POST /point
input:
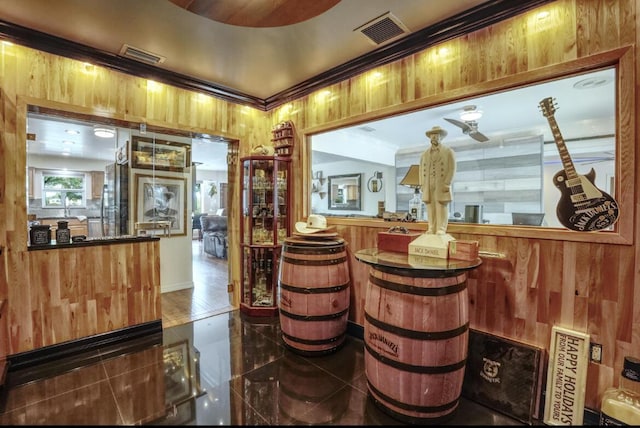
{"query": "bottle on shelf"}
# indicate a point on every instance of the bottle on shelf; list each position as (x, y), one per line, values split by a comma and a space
(621, 405)
(415, 206)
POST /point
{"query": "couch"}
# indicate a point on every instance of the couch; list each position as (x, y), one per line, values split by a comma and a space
(214, 235)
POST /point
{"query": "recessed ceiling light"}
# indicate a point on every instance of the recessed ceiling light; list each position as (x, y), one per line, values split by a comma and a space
(67, 142)
(102, 132)
(72, 131)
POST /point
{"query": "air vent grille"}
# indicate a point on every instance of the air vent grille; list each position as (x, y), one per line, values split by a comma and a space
(141, 55)
(383, 28)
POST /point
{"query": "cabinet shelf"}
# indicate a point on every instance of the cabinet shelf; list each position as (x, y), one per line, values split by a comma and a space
(264, 226)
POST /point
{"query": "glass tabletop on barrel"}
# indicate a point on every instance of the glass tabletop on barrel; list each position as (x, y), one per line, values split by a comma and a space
(396, 260)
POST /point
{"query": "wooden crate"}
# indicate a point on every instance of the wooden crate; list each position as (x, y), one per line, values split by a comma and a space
(396, 241)
(463, 250)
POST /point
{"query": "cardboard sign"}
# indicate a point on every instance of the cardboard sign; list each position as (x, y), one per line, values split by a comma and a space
(566, 377)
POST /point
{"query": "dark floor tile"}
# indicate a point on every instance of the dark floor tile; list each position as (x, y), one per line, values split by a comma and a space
(347, 362)
(116, 365)
(88, 405)
(227, 369)
(53, 385)
(141, 394)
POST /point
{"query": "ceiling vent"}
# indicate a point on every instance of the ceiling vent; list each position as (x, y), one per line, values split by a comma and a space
(383, 28)
(141, 55)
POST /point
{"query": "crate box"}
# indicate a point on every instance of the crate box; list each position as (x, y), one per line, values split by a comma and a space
(463, 250)
(396, 241)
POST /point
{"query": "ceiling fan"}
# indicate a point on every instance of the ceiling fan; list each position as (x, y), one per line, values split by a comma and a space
(469, 125)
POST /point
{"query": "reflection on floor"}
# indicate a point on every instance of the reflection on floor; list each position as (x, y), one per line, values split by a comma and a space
(226, 369)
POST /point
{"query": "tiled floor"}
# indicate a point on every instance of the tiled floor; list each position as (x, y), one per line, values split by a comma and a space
(223, 370)
(209, 366)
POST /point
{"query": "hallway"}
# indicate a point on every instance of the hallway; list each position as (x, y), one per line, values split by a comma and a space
(208, 296)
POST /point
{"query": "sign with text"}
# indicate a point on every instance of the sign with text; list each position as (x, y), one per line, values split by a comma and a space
(566, 377)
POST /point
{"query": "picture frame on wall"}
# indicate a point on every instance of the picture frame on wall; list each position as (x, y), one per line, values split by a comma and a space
(158, 154)
(161, 199)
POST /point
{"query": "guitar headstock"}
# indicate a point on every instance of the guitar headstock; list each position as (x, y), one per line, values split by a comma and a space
(548, 106)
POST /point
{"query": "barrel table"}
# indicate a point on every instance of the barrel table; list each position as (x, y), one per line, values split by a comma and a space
(313, 282)
(416, 331)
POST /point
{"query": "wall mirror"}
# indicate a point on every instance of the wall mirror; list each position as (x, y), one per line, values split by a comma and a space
(344, 192)
(507, 151)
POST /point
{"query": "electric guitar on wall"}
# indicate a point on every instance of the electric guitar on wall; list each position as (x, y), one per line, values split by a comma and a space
(582, 206)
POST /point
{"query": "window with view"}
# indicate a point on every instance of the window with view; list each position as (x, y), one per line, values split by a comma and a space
(63, 190)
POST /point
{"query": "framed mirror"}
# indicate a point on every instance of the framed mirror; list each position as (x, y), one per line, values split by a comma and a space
(345, 192)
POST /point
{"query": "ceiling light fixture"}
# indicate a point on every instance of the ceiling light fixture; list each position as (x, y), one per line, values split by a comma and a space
(102, 132)
(470, 113)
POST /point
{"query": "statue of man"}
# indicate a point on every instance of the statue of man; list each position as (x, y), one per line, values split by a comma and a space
(437, 168)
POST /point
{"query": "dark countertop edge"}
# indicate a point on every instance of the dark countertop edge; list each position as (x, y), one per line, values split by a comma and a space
(93, 243)
(67, 218)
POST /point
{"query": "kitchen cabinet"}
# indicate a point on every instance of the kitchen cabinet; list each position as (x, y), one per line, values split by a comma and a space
(97, 184)
(264, 227)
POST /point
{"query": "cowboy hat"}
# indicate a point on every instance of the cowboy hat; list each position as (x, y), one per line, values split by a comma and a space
(436, 130)
(315, 223)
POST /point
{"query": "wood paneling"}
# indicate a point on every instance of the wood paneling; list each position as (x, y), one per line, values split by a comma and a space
(537, 279)
(63, 294)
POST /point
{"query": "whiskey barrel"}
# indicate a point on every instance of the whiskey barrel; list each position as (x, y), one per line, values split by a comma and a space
(313, 282)
(416, 340)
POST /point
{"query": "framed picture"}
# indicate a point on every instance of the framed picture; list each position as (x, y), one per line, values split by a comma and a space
(153, 153)
(161, 199)
(177, 369)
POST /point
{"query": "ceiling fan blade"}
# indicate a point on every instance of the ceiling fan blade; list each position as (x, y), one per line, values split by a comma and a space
(463, 125)
(478, 136)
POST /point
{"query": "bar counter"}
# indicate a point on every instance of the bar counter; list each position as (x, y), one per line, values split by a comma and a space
(92, 242)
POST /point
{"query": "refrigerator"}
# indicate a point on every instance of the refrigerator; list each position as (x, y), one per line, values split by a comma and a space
(114, 205)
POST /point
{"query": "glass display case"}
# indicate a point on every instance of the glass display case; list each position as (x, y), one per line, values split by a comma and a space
(264, 227)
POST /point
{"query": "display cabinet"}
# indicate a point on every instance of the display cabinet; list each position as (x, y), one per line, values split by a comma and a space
(264, 227)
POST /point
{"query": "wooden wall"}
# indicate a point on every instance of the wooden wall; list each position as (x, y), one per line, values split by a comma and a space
(579, 281)
(58, 295)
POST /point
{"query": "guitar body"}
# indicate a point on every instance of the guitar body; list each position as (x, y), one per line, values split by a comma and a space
(582, 206)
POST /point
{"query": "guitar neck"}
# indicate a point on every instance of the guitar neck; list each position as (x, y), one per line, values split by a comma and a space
(567, 163)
